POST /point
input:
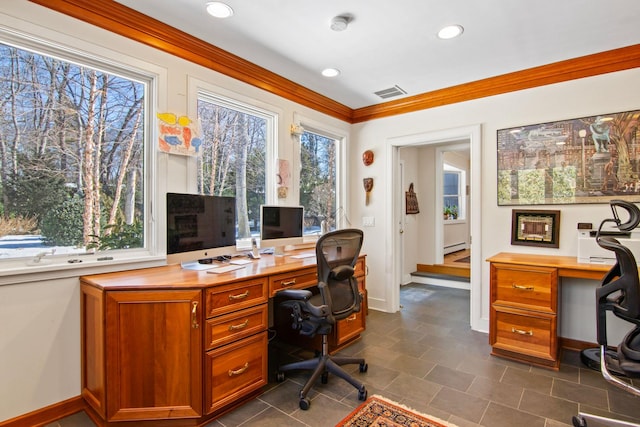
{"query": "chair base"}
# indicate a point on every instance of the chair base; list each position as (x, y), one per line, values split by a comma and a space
(591, 358)
(581, 421)
(322, 366)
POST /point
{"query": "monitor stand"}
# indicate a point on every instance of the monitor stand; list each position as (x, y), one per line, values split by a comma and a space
(195, 265)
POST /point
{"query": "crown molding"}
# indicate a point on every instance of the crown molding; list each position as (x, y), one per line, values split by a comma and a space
(571, 69)
(119, 19)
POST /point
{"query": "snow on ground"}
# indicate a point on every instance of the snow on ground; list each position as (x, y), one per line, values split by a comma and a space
(23, 246)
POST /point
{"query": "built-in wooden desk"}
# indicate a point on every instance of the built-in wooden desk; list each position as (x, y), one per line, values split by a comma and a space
(523, 322)
(184, 346)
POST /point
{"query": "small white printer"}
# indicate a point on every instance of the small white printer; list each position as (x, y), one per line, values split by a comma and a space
(590, 252)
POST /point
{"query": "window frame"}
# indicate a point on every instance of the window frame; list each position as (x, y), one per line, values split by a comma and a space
(66, 265)
(199, 89)
(450, 169)
(341, 140)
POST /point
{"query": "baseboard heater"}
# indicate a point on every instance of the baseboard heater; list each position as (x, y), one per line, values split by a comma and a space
(455, 247)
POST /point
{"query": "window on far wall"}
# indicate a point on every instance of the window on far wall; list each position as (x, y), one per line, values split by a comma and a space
(236, 138)
(318, 182)
(453, 192)
(73, 141)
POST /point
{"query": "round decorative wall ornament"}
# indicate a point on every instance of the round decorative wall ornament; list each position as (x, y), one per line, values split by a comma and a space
(367, 157)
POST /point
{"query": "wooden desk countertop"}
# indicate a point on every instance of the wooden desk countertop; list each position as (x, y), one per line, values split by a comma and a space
(567, 266)
(175, 277)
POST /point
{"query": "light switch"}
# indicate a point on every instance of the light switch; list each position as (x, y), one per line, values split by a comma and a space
(368, 221)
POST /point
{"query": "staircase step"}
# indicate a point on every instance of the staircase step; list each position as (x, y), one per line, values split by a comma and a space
(462, 271)
(441, 276)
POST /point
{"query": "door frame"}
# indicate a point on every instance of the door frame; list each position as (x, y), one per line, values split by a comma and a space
(472, 134)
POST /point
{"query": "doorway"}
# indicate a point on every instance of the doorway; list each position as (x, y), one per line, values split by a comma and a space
(431, 214)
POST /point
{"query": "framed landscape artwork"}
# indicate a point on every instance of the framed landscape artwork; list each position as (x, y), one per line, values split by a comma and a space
(585, 160)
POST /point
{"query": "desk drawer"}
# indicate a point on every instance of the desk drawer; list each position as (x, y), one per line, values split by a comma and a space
(528, 287)
(232, 327)
(235, 296)
(235, 370)
(299, 279)
(528, 335)
(350, 328)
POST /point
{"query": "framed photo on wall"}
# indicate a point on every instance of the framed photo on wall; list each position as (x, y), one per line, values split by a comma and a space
(535, 228)
(584, 160)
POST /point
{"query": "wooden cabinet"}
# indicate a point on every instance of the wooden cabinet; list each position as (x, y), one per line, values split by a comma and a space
(142, 353)
(524, 313)
(184, 346)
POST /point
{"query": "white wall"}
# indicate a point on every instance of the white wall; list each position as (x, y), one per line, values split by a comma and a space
(40, 338)
(580, 98)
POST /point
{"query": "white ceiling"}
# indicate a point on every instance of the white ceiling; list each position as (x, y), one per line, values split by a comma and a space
(394, 42)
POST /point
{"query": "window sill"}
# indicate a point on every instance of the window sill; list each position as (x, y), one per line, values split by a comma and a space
(23, 271)
(454, 221)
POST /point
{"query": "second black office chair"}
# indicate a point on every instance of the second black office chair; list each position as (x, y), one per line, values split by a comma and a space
(620, 295)
(338, 298)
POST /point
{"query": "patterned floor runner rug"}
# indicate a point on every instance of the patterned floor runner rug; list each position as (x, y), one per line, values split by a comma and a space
(378, 411)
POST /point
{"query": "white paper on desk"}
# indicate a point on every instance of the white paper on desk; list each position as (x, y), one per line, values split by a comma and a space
(306, 255)
(240, 261)
(225, 269)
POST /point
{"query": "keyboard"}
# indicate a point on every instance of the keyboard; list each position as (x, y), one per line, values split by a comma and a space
(225, 269)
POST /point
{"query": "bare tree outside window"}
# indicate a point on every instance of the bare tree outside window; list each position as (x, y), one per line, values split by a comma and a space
(318, 181)
(233, 160)
(72, 144)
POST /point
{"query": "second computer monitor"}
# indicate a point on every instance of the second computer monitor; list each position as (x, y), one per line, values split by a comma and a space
(281, 226)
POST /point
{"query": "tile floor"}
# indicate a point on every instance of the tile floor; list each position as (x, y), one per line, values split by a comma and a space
(426, 357)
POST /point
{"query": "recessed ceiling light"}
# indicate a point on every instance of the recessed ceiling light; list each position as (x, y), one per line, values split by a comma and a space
(219, 9)
(330, 72)
(450, 32)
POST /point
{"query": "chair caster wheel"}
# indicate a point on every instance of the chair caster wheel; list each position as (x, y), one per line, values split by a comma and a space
(279, 376)
(362, 394)
(364, 367)
(579, 421)
(324, 378)
(304, 404)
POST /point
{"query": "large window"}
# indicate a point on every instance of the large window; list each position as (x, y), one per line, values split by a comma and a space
(233, 161)
(318, 181)
(72, 153)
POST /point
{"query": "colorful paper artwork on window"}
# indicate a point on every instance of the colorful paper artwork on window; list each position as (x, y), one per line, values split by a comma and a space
(284, 178)
(178, 134)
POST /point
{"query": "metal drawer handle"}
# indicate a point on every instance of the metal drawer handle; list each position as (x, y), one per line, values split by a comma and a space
(194, 315)
(351, 318)
(239, 371)
(239, 296)
(288, 283)
(521, 332)
(240, 326)
(524, 288)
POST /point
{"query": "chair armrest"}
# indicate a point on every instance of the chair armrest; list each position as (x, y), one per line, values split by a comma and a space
(296, 294)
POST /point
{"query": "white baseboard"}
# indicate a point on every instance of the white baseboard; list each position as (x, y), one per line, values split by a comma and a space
(455, 247)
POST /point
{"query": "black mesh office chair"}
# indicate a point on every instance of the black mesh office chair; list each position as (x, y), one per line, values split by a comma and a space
(619, 294)
(339, 297)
